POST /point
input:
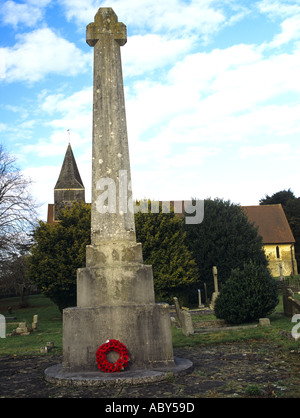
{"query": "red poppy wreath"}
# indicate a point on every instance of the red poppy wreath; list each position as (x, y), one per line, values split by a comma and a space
(104, 349)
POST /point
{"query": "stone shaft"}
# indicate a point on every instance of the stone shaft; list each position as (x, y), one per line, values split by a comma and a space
(110, 143)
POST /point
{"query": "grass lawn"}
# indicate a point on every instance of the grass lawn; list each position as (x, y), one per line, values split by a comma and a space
(279, 322)
(50, 329)
(50, 326)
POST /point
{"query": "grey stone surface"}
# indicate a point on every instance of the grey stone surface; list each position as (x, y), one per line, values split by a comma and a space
(187, 323)
(145, 330)
(55, 374)
(264, 322)
(110, 142)
(116, 284)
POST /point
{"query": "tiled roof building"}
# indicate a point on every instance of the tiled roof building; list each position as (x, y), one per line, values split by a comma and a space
(278, 239)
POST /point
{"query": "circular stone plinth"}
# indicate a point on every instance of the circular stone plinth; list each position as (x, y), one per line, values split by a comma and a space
(56, 375)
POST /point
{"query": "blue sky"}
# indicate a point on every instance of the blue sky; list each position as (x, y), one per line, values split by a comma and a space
(212, 94)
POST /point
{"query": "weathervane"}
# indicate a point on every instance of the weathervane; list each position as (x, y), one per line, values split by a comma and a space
(69, 140)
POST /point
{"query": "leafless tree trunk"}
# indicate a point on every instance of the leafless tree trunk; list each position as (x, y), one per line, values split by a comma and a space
(17, 211)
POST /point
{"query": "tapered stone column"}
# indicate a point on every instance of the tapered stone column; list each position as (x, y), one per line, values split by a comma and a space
(110, 143)
(115, 292)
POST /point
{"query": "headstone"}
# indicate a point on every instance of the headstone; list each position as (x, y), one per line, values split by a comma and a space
(173, 321)
(264, 322)
(115, 292)
(178, 311)
(187, 324)
(199, 299)
(216, 292)
(22, 329)
(35, 323)
(287, 297)
(205, 293)
(2, 326)
(281, 272)
(215, 274)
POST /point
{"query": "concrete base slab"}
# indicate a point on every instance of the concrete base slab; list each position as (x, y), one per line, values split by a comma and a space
(56, 375)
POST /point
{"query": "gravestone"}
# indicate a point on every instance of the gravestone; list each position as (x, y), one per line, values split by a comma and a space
(187, 324)
(22, 329)
(2, 326)
(35, 323)
(264, 322)
(216, 288)
(178, 311)
(115, 293)
(200, 304)
(291, 306)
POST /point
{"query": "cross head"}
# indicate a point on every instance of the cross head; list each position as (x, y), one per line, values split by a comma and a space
(106, 22)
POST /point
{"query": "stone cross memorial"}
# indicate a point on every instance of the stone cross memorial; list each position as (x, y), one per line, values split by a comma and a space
(115, 293)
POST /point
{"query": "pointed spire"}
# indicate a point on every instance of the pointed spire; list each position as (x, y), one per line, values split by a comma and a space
(69, 177)
(69, 187)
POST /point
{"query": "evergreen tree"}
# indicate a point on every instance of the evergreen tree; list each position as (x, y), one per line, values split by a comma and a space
(280, 197)
(58, 252)
(224, 239)
(175, 271)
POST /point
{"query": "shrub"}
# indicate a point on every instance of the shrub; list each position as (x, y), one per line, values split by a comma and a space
(249, 294)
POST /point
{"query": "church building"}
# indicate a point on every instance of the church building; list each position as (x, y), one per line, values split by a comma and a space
(69, 187)
(278, 239)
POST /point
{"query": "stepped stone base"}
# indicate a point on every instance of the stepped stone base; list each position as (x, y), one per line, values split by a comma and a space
(144, 329)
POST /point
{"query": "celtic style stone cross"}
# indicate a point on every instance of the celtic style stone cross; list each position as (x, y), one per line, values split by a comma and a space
(115, 291)
(106, 22)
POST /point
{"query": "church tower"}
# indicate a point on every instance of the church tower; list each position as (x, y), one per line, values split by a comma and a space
(69, 187)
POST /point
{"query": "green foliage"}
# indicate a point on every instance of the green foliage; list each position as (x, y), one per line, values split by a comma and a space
(249, 294)
(280, 197)
(58, 252)
(174, 269)
(224, 239)
(253, 390)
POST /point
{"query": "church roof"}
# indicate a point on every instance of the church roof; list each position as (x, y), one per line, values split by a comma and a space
(272, 223)
(69, 177)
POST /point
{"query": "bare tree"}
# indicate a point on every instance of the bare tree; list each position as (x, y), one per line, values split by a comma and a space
(17, 211)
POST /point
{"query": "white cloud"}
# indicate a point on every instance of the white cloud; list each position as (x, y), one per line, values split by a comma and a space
(176, 17)
(279, 8)
(42, 185)
(265, 150)
(55, 145)
(145, 53)
(224, 95)
(79, 101)
(173, 16)
(27, 13)
(290, 31)
(73, 112)
(39, 53)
